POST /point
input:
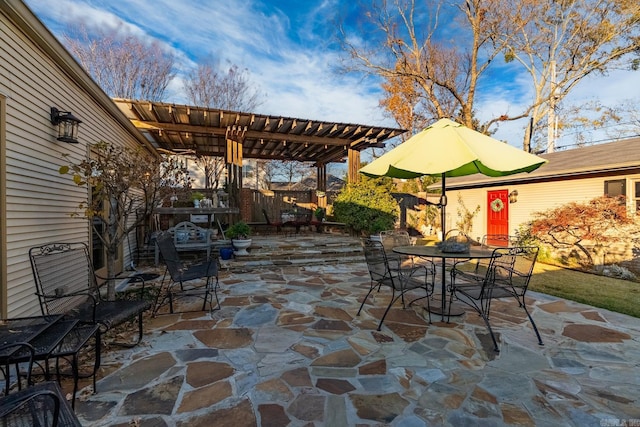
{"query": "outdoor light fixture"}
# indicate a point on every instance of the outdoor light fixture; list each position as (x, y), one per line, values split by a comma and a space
(67, 125)
(513, 196)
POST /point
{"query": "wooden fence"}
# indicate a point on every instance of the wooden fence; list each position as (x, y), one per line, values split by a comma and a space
(277, 202)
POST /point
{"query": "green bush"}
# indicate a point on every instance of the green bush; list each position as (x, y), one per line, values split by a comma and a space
(367, 206)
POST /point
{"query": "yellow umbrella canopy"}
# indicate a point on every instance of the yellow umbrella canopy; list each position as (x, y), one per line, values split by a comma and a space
(447, 148)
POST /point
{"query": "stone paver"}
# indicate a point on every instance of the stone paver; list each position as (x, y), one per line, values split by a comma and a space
(288, 349)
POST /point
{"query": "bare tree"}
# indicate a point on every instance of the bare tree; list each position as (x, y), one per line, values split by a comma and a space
(562, 42)
(122, 64)
(437, 68)
(290, 170)
(593, 121)
(212, 169)
(410, 48)
(268, 172)
(209, 87)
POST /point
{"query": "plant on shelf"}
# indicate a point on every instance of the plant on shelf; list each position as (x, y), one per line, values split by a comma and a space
(196, 197)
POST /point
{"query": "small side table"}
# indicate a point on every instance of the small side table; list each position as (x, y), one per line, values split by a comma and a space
(69, 350)
(35, 331)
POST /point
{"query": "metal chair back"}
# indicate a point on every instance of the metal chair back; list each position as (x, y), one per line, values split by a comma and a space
(170, 255)
(393, 238)
(507, 274)
(386, 271)
(63, 269)
(377, 262)
(181, 272)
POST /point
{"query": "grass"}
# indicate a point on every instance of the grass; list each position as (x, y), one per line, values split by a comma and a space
(621, 296)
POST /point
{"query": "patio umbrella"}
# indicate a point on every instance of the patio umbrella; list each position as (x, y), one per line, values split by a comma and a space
(448, 149)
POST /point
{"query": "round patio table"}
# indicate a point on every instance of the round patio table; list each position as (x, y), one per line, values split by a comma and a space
(435, 252)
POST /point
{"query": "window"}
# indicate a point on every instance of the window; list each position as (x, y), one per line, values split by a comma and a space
(615, 188)
(636, 196)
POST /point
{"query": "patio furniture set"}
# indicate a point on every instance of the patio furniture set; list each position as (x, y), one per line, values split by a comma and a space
(477, 275)
(74, 318)
(75, 315)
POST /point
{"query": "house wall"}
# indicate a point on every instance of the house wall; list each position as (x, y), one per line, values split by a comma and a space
(532, 198)
(39, 201)
(539, 197)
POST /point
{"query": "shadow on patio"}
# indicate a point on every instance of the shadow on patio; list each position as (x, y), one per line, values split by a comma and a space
(287, 349)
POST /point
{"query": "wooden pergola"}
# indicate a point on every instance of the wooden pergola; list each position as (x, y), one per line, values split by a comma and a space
(234, 135)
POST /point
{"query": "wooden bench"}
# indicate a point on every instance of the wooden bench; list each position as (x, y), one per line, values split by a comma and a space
(189, 237)
(67, 284)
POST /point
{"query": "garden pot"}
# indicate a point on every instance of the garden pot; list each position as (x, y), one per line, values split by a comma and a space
(226, 253)
(241, 246)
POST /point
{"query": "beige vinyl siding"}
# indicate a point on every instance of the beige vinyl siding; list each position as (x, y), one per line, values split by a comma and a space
(39, 201)
(3, 199)
(532, 198)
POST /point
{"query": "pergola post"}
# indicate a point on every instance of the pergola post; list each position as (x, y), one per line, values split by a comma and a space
(353, 165)
(233, 159)
(322, 185)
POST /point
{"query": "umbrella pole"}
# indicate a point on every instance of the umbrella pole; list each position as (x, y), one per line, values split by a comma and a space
(443, 219)
(443, 204)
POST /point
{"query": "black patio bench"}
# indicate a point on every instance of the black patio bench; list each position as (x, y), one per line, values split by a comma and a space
(67, 284)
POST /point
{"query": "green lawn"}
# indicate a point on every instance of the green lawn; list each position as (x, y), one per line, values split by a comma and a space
(617, 295)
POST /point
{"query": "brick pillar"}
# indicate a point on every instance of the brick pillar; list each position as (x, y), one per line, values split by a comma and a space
(245, 204)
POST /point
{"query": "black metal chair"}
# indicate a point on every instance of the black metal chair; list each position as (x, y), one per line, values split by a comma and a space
(388, 272)
(507, 274)
(277, 225)
(186, 279)
(41, 405)
(67, 284)
(393, 238)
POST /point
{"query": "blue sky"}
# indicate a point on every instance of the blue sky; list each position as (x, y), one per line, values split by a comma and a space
(289, 48)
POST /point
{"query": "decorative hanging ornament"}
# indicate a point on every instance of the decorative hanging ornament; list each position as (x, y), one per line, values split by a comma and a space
(497, 205)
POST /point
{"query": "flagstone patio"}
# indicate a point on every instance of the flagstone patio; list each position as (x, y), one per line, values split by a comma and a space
(287, 348)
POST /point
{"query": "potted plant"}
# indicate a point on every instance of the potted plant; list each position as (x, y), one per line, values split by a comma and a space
(239, 234)
(319, 214)
(196, 197)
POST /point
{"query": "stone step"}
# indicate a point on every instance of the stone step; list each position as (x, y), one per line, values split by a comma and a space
(298, 250)
(304, 249)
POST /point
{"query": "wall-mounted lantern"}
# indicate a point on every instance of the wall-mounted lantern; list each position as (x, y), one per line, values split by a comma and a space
(513, 196)
(67, 125)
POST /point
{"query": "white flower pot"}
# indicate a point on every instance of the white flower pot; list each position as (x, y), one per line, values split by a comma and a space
(241, 246)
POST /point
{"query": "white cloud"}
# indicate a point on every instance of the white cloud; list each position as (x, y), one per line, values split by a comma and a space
(290, 57)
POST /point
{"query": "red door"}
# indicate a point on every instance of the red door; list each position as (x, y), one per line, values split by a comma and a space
(497, 216)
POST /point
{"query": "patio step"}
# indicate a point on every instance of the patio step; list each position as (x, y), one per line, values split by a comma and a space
(298, 250)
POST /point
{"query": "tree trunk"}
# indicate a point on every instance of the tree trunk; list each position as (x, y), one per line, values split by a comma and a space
(111, 272)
